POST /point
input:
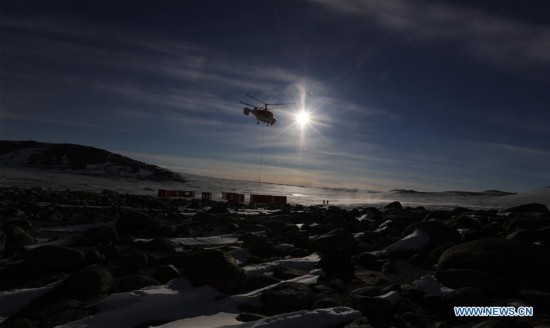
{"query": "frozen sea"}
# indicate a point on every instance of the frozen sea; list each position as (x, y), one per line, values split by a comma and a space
(27, 178)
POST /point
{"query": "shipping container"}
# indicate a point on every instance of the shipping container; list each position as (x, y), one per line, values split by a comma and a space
(233, 197)
(206, 195)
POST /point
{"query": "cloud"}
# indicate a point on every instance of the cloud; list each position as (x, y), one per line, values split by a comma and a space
(497, 40)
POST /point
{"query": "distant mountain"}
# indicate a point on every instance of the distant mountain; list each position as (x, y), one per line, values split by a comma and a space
(79, 159)
(456, 193)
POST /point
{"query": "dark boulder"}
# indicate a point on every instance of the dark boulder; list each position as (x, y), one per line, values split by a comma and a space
(133, 282)
(527, 265)
(166, 273)
(337, 265)
(368, 261)
(333, 240)
(157, 245)
(258, 281)
(521, 223)
(87, 282)
(53, 258)
(377, 310)
(393, 206)
(215, 268)
(285, 273)
(287, 297)
(439, 232)
(133, 261)
(133, 221)
(101, 235)
(3, 238)
(532, 209)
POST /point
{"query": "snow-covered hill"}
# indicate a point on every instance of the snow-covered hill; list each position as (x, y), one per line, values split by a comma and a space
(79, 159)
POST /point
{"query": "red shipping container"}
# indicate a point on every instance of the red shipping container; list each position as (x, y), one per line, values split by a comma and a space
(279, 200)
(261, 199)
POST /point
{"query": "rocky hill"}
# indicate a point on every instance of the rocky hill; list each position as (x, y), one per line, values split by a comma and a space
(79, 159)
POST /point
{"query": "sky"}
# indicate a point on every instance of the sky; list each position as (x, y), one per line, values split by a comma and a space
(424, 95)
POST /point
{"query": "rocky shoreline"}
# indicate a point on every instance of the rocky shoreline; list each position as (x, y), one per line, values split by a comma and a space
(393, 266)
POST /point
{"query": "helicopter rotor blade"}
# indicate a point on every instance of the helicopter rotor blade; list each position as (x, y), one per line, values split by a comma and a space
(248, 104)
(255, 98)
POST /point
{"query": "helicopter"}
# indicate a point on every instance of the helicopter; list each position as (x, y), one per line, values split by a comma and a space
(262, 113)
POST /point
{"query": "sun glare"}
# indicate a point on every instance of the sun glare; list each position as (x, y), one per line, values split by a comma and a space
(302, 118)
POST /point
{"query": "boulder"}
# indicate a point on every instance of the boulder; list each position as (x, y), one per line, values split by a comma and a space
(285, 273)
(439, 232)
(133, 261)
(532, 209)
(3, 238)
(287, 297)
(133, 282)
(333, 240)
(53, 259)
(337, 265)
(157, 245)
(87, 282)
(526, 265)
(100, 236)
(377, 310)
(259, 246)
(258, 281)
(166, 273)
(393, 206)
(215, 268)
(133, 221)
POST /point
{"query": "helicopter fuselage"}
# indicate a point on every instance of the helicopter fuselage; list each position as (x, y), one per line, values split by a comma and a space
(263, 115)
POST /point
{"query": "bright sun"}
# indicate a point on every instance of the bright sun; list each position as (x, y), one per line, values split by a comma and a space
(302, 118)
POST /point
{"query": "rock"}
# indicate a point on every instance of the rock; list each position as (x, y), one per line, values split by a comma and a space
(524, 264)
(539, 300)
(101, 235)
(377, 310)
(87, 282)
(134, 282)
(489, 283)
(521, 223)
(24, 224)
(421, 260)
(3, 238)
(467, 296)
(337, 265)
(532, 209)
(439, 232)
(133, 261)
(284, 273)
(254, 282)
(368, 261)
(133, 221)
(216, 268)
(166, 273)
(157, 245)
(219, 208)
(52, 259)
(393, 206)
(16, 237)
(528, 235)
(258, 246)
(287, 297)
(248, 317)
(414, 320)
(361, 322)
(490, 323)
(389, 267)
(333, 240)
